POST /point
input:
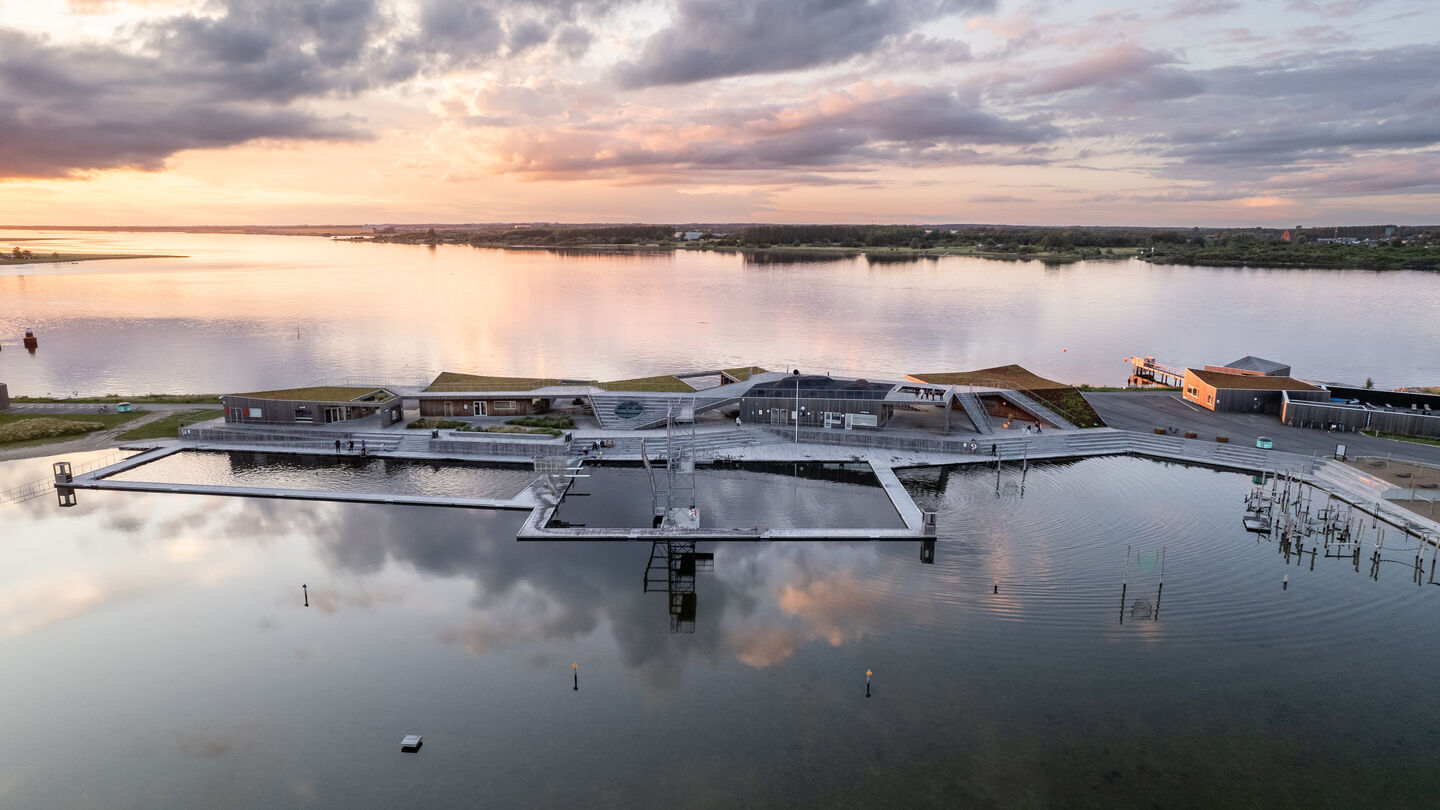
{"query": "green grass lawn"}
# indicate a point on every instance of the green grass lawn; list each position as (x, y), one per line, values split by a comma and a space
(24, 430)
(663, 383)
(169, 427)
(1396, 436)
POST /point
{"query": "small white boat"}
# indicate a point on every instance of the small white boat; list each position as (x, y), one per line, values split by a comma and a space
(411, 743)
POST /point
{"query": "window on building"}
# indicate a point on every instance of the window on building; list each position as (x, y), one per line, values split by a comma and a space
(254, 413)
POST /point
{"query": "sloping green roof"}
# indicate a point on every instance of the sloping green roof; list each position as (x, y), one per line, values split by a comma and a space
(321, 393)
(665, 382)
(1011, 376)
(452, 381)
(743, 374)
(1064, 399)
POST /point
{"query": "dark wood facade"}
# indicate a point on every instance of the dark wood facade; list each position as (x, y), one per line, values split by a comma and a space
(815, 411)
(255, 411)
(1239, 393)
(1400, 418)
(461, 407)
(4, 396)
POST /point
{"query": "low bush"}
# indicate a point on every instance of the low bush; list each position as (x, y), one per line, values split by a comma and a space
(41, 427)
(508, 428)
(432, 423)
(562, 422)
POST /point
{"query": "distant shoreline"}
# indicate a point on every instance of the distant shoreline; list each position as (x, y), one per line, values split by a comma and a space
(69, 258)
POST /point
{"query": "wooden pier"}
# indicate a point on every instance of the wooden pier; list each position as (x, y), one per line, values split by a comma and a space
(1148, 372)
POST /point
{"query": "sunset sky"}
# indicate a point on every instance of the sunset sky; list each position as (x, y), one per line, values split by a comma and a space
(1191, 112)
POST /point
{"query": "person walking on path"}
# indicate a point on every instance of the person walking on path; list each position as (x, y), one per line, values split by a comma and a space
(352, 445)
(362, 447)
(993, 452)
(337, 446)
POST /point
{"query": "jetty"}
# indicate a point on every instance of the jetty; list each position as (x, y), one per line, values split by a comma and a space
(679, 427)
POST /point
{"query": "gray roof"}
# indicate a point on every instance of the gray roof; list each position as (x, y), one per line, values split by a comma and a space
(1260, 364)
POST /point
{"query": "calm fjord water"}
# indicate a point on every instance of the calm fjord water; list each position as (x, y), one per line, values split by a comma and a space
(157, 654)
(155, 650)
(226, 317)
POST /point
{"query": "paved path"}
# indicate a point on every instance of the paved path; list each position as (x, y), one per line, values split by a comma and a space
(1143, 412)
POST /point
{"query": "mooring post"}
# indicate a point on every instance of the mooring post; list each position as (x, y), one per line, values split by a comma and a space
(867, 683)
(575, 670)
(305, 589)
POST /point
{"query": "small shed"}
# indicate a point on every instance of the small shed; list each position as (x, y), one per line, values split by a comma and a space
(4, 396)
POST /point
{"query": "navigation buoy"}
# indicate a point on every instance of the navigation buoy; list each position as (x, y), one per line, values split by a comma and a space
(997, 587)
(1285, 586)
(31, 342)
(867, 683)
(575, 668)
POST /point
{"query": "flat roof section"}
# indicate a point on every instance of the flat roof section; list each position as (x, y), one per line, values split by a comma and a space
(819, 385)
(667, 383)
(321, 393)
(1247, 382)
(462, 383)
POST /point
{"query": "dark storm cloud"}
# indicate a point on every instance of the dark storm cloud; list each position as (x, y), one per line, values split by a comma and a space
(527, 35)
(920, 127)
(241, 71)
(57, 119)
(1324, 107)
(712, 39)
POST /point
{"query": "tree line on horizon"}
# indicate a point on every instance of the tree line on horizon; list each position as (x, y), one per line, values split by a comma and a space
(1384, 247)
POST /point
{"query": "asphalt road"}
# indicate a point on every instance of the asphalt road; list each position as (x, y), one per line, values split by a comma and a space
(1147, 411)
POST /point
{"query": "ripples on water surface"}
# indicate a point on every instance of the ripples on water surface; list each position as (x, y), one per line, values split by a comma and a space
(225, 318)
(781, 496)
(157, 654)
(326, 473)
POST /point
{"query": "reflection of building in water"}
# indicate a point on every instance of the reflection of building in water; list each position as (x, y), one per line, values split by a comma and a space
(1144, 574)
(672, 568)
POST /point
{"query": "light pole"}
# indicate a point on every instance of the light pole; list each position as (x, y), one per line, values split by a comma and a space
(797, 407)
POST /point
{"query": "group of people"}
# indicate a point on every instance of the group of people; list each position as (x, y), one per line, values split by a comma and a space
(352, 446)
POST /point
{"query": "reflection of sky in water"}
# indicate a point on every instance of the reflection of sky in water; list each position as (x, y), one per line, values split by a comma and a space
(156, 654)
(335, 473)
(811, 495)
(225, 318)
